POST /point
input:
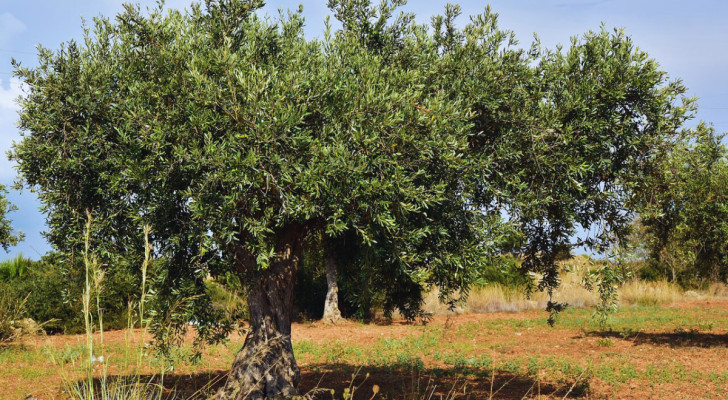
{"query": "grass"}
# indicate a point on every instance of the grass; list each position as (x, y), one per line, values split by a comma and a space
(498, 298)
(451, 346)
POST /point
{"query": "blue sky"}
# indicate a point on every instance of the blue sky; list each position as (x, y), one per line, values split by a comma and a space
(688, 38)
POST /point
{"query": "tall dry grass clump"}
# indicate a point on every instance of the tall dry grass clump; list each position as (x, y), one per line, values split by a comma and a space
(641, 293)
(11, 317)
(717, 290)
(102, 387)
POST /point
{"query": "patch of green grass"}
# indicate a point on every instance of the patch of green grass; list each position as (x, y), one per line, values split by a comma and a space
(719, 379)
(306, 347)
(13, 354)
(66, 354)
(467, 364)
(640, 318)
(33, 371)
(706, 326)
(407, 363)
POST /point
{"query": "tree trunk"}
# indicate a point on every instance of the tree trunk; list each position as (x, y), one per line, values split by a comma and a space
(265, 367)
(332, 315)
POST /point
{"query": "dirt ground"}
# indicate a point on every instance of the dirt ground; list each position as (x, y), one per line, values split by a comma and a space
(677, 352)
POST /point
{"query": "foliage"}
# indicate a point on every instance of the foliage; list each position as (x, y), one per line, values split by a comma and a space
(683, 222)
(224, 296)
(52, 295)
(606, 111)
(42, 286)
(7, 236)
(504, 270)
(268, 134)
(14, 268)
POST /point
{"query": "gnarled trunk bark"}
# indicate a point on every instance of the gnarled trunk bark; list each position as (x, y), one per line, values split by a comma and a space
(265, 367)
(332, 314)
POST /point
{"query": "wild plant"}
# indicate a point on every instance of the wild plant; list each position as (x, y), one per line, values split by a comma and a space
(130, 387)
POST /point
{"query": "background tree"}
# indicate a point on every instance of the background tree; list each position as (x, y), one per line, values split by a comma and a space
(684, 214)
(563, 139)
(606, 113)
(7, 236)
(332, 314)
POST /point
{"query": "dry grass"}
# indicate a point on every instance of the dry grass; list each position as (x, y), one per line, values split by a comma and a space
(499, 298)
(642, 293)
(717, 290)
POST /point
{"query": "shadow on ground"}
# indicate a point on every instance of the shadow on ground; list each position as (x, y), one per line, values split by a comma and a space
(449, 383)
(678, 338)
(319, 380)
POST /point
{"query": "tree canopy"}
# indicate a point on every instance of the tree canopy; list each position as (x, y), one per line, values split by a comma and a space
(684, 210)
(235, 137)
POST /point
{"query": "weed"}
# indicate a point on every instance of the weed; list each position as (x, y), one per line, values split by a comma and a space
(706, 326)
(512, 366)
(605, 342)
(628, 333)
(132, 387)
(408, 363)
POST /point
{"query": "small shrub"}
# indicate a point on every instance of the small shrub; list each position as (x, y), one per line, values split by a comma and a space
(706, 326)
(409, 363)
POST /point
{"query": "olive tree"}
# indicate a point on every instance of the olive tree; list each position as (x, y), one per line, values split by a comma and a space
(684, 210)
(235, 138)
(563, 140)
(605, 114)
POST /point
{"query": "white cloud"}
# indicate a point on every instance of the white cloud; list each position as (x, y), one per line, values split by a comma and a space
(9, 27)
(8, 130)
(9, 95)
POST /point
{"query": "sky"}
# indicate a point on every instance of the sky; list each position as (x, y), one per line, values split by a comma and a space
(688, 38)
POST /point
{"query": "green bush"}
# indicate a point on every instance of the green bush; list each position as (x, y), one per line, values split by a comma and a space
(504, 270)
(226, 295)
(52, 294)
(14, 268)
(44, 286)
